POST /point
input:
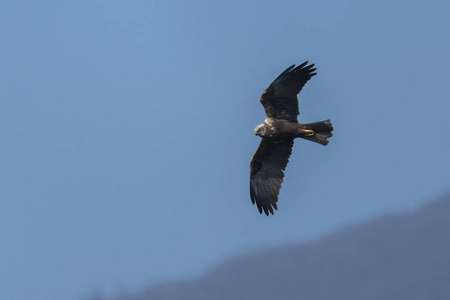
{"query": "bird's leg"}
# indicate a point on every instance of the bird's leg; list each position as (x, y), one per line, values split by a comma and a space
(305, 132)
(308, 132)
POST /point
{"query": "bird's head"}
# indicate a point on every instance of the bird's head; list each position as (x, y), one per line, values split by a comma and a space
(260, 130)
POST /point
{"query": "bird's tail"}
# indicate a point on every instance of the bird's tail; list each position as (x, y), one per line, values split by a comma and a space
(318, 132)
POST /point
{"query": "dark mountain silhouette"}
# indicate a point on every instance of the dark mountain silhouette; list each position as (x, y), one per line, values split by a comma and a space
(396, 256)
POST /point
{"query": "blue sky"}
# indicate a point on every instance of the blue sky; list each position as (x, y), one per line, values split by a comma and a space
(127, 131)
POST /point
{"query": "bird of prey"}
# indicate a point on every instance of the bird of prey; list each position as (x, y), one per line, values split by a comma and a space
(278, 132)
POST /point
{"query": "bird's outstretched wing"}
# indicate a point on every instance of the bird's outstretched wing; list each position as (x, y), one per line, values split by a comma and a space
(266, 173)
(280, 98)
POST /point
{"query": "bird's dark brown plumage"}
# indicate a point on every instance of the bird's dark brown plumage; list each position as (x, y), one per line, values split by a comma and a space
(280, 98)
(266, 173)
(278, 133)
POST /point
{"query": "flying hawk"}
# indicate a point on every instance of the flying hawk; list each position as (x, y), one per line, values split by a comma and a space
(278, 132)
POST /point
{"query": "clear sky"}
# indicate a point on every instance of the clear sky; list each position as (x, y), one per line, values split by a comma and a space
(127, 131)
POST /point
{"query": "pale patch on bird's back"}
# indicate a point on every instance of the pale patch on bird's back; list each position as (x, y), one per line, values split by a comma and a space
(269, 122)
(271, 127)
